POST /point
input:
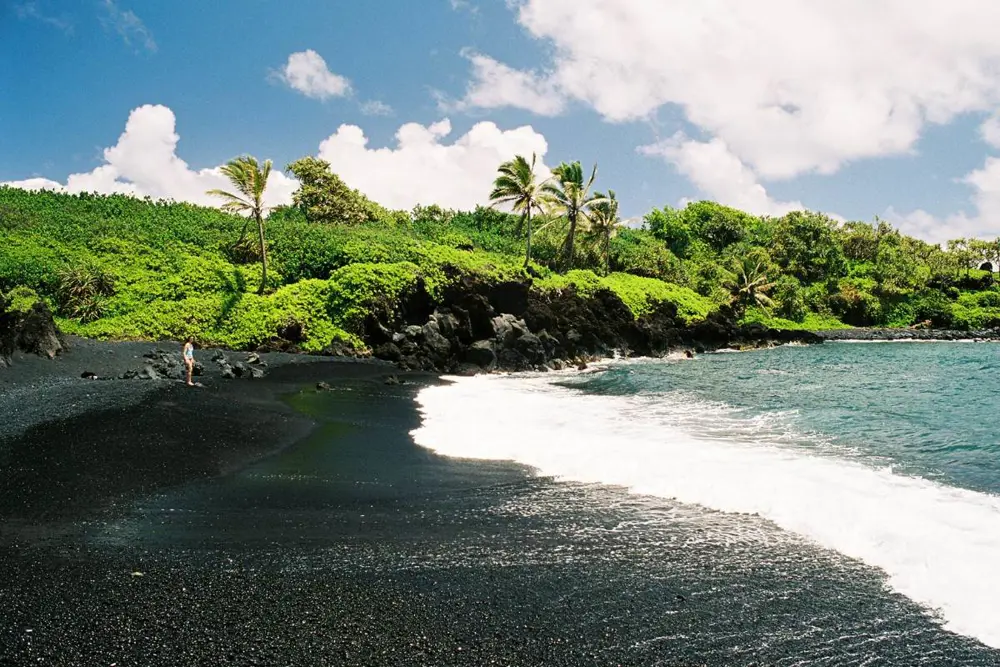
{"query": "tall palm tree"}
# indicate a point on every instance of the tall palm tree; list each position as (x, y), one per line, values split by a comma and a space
(604, 223)
(250, 179)
(518, 186)
(569, 195)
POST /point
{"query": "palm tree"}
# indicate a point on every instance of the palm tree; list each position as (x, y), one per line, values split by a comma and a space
(570, 196)
(604, 223)
(517, 185)
(751, 285)
(250, 179)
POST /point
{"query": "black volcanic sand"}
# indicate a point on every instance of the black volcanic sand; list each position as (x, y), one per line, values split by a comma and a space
(266, 523)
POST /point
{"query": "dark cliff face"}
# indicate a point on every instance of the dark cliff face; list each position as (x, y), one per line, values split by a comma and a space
(509, 326)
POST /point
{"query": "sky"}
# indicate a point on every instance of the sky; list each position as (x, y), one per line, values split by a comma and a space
(854, 108)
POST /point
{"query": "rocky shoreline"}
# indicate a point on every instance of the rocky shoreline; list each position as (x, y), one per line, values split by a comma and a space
(479, 327)
(475, 328)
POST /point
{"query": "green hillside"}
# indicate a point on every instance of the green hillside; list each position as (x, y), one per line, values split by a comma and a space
(116, 267)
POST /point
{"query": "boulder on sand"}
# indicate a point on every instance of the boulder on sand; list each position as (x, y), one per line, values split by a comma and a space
(32, 331)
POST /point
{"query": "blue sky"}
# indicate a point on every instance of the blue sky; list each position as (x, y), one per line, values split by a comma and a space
(768, 109)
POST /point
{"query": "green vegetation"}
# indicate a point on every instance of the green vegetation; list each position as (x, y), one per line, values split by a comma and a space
(640, 294)
(124, 268)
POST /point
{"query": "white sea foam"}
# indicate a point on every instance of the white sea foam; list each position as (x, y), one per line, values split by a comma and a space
(939, 545)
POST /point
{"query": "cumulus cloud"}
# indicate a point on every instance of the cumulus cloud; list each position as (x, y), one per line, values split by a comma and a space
(719, 174)
(307, 72)
(144, 162)
(422, 168)
(495, 85)
(990, 130)
(790, 87)
(128, 26)
(983, 223)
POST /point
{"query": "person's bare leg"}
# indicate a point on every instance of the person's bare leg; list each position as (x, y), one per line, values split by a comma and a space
(190, 373)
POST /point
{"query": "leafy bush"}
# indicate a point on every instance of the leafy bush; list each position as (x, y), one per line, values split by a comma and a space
(21, 299)
(640, 253)
(359, 289)
(933, 307)
(811, 322)
(855, 304)
(640, 294)
(789, 299)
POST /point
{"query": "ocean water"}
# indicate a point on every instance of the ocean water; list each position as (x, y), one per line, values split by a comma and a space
(856, 462)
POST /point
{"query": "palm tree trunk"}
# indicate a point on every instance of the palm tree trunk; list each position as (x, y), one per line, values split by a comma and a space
(263, 254)
(527, 252)
(607, 253)
(570, 238)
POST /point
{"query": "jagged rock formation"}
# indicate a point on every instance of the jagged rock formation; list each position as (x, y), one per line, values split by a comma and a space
(32, 331)
(508, 326)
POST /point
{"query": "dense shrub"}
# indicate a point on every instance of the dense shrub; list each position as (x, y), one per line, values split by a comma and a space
(640, 294)
(640, 253)
(789, 299)
(20, 299)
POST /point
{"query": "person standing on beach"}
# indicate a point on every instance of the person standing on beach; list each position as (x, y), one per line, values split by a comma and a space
(189, 359)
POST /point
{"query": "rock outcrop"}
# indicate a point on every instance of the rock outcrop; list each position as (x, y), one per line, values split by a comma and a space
(253, 368)
(510, 327)
(162, 365)
(32, 331)
(168, 365)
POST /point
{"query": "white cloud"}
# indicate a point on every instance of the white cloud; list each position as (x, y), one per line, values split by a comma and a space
(422, 169)
(990, 130)
(36, 183)
(719, 174)
(144, 162)
(128, 26)
(495, 85)
(376, 108)
(307, 72)
(791, 87)
(984, 223)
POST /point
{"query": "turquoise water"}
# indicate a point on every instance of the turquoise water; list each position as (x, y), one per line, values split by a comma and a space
(931, 410)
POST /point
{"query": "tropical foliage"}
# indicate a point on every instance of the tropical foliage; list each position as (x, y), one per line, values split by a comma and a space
(126, 268)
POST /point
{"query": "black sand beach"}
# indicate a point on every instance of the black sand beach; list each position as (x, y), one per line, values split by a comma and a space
(267, 523)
